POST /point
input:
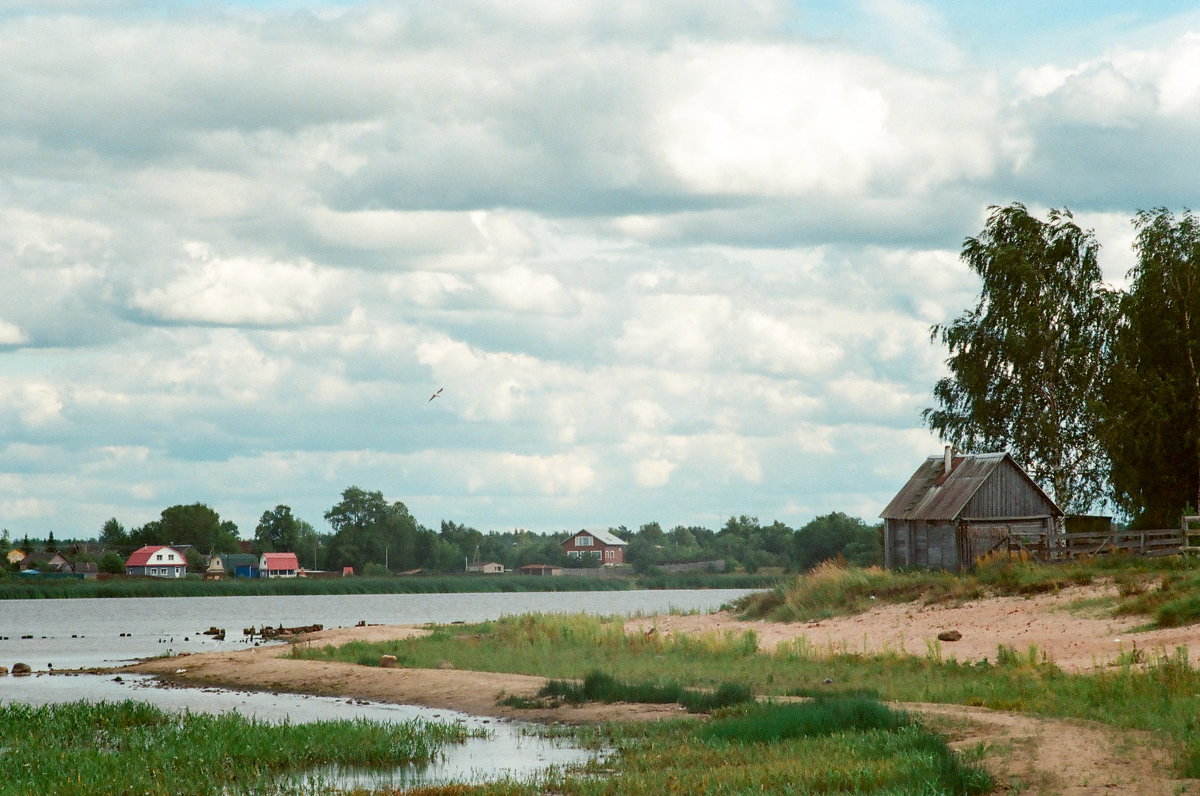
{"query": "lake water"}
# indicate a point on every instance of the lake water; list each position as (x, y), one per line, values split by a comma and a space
(79, 633)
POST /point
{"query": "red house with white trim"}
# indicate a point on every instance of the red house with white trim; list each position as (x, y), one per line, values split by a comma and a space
(609, 548)
(278, 565)
(157, 561)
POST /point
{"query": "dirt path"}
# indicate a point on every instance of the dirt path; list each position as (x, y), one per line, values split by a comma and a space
(1027, 754)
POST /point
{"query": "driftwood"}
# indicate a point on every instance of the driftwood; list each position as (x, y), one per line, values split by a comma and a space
(266, 631)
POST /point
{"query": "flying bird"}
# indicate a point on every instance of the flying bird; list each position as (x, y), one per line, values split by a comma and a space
(436, 394)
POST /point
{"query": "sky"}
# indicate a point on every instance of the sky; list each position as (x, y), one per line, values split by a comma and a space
(672, 261)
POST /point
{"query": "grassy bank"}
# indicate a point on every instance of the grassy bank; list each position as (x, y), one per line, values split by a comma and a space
(80, 749)
(1163, 697)
(22, 588)
(837, 746)
(1166, 589)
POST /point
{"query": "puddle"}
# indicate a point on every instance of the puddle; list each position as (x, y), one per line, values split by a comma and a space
(508, 750)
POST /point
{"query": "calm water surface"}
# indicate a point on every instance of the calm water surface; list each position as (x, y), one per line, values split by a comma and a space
(77, 633)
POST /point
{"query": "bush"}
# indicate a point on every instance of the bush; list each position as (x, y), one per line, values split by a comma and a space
(112, 563)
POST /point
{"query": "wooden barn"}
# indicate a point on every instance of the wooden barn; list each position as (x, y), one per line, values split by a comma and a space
(955, 508)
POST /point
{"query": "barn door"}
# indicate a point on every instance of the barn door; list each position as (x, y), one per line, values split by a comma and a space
(979, 540)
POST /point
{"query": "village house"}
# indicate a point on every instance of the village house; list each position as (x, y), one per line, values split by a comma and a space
(603, 545)
(156, 561)
(45, 563)
(956, 508)
(215, 569)
(278, 565)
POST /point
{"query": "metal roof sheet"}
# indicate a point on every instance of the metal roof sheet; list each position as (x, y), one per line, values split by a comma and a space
(604, 536)
(932, 495)
(276, 561)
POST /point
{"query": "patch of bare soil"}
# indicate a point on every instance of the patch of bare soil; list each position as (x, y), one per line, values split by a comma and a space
(1026, 754)
(1075, 641)
(270, 669)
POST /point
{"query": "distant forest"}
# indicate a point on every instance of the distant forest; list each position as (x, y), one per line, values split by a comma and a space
(377, 537)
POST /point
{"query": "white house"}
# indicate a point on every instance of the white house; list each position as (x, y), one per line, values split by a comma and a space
(157, 561)
(278, 565)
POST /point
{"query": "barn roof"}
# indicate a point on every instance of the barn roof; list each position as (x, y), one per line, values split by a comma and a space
(931, 494)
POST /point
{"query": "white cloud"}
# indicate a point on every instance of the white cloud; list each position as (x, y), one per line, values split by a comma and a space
(11, 334)
(652, 473)
(238, 291)
(781, 120)
(520, 289)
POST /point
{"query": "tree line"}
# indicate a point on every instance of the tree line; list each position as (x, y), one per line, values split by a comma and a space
(1095, 390)
(377, 536)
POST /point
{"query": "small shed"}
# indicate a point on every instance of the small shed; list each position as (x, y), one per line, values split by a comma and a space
(541, 570)
(956, 507)
(486, 567)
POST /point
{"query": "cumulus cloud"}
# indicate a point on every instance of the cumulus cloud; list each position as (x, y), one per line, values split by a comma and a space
(238, 291)
(664, 258)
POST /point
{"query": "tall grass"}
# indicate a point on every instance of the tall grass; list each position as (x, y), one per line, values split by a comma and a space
(598, 686)
(33, 588)
(82, 748)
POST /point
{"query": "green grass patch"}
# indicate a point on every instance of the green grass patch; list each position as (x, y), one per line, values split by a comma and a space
(598, 686)
(826, 747)
(82, 748)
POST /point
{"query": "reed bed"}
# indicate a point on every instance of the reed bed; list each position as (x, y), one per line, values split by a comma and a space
(598, 686)
(12, 588)
(16, 589)
(82, 748)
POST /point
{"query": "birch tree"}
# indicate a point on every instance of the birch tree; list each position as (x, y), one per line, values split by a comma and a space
(1027, 361)
(1152, 425)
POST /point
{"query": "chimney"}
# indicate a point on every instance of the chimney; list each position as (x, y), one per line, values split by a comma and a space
(949, 459)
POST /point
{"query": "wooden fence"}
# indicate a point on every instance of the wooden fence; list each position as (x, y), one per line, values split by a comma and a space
(1043, 546)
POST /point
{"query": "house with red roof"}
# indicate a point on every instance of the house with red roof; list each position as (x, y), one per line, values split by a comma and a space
(278, 565)
(156, 561)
